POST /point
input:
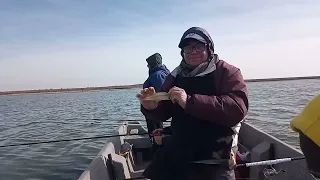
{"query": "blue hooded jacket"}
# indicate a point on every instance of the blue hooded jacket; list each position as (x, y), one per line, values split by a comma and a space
(157, 76)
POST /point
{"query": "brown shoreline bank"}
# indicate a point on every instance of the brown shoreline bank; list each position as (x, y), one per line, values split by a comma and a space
(104, 88)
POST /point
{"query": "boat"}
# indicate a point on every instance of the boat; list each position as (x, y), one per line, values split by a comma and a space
(127, 155)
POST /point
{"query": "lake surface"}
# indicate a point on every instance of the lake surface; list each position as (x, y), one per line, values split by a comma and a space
(42, 117)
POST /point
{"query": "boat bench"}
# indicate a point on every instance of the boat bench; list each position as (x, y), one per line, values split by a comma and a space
(140, 143)
(122, 167)
(97, 170)
(101, 168)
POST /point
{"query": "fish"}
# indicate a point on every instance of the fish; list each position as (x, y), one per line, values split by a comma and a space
(160, 96)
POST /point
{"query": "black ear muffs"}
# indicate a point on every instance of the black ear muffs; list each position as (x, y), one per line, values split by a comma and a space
(181, 53)
(210, 55)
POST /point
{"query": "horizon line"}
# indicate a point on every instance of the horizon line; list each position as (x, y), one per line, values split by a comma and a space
(132, 86)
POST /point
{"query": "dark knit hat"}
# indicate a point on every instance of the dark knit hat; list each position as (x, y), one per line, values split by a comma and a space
(154, 60)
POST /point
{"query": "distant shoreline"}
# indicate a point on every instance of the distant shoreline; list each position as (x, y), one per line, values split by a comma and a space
(106, 88)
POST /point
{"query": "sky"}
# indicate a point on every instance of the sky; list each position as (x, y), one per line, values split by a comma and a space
(80, 43)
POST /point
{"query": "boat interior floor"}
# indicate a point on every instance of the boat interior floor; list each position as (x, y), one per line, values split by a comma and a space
(138, 170)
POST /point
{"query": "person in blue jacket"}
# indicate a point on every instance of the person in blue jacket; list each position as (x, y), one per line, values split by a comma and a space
(157, 75)
(157, 72)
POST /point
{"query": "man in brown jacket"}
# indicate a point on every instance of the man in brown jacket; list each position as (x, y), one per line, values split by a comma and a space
(209, 99)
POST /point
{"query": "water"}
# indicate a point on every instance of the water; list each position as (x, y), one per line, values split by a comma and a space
(32, 118)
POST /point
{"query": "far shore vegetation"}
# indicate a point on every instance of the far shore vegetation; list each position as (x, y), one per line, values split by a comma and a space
(104, 88)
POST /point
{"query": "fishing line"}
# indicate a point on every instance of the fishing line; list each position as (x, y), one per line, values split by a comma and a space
(82, 121)
(105, 119)
(100, 119)
(75, 139)
(72, 123)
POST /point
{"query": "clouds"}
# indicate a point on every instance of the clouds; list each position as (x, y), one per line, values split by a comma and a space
(54, 44)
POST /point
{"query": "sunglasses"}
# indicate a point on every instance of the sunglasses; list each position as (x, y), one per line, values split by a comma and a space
(198, 47)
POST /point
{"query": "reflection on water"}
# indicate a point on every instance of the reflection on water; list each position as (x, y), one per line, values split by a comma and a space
(32, 118)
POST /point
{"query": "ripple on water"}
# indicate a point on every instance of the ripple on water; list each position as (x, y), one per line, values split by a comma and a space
(33, 118)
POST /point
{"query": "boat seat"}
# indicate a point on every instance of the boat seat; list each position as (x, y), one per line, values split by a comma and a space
(97, 170)
(107, 149)
(119, 167)
(139, 141)
(134, 173)
(127, 154)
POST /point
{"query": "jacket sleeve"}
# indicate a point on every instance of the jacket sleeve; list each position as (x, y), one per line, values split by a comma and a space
(146, 84)
(167, 130)
(227, 109)
(164, 110)
(156, 80)
(167, 140)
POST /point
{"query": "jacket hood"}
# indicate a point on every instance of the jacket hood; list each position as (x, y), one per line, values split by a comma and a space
(184, 69)
(159, 68)
(154, 60)
(194, 33)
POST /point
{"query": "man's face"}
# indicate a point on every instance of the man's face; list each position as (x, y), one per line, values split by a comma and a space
(312, 153)
(195, 53)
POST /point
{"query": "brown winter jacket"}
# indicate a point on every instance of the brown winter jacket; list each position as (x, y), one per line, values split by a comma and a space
(227, 108)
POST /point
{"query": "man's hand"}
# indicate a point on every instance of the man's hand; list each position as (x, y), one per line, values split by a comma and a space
(150, 105)
(178, 95)
(158, 139)
(158, 135)
(157, 132)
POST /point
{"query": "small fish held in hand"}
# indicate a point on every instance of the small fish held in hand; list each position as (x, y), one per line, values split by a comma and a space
(160, 96)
